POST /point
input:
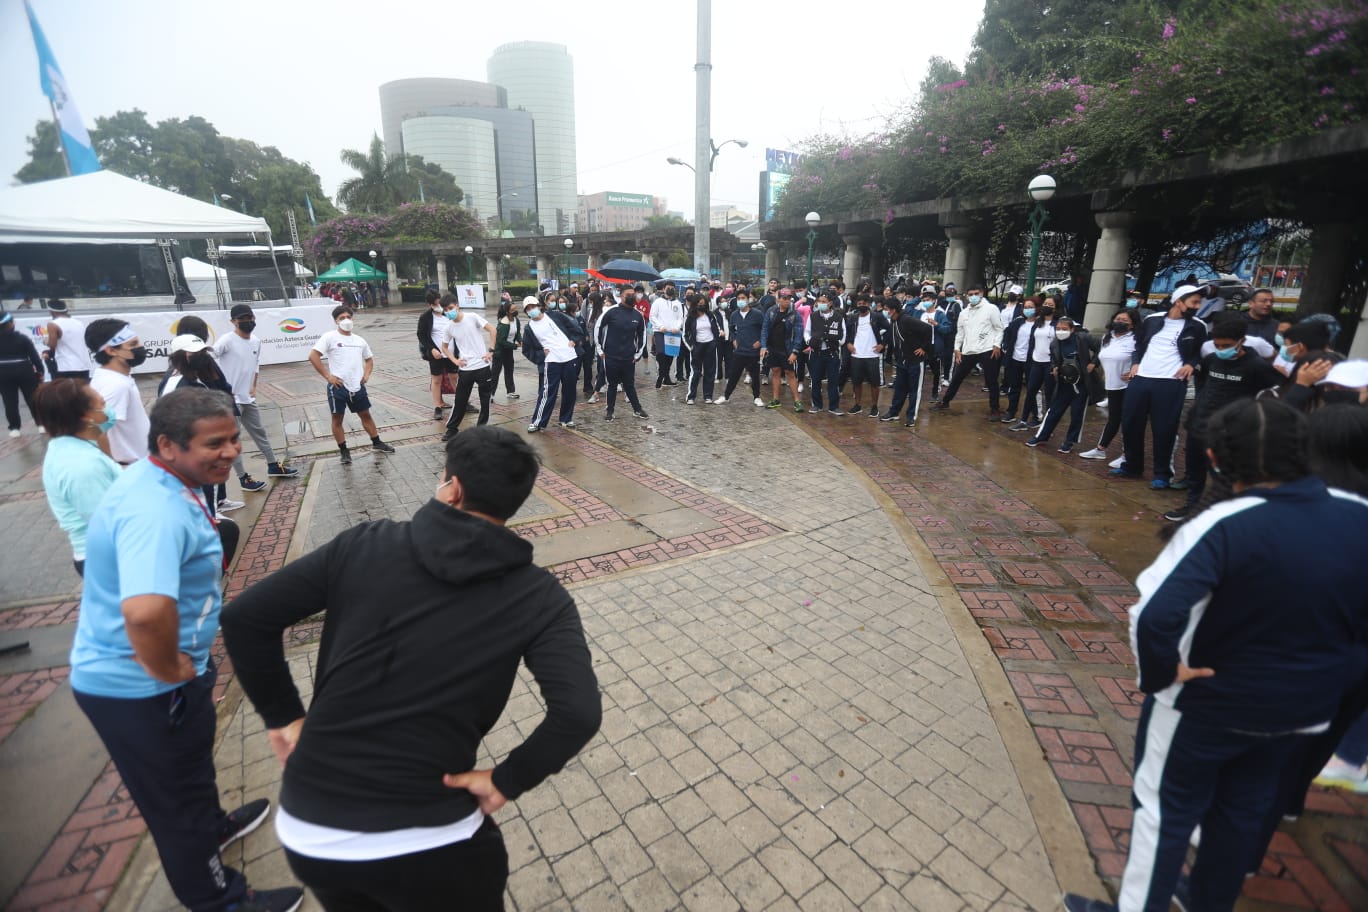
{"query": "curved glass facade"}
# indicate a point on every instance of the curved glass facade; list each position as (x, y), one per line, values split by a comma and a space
(465, 147)
(539, 77)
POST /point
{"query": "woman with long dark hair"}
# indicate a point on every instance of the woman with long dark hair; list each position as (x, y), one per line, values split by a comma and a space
(1038, 376)
(507, 341)
(1118, 345)
(77, 468)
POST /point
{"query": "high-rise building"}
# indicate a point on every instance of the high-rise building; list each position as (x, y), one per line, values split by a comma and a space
(468, 129)
(610, 211)
(540, 78)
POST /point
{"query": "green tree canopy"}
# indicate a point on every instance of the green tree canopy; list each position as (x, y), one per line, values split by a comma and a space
(664, 221)
(408, 223)
(190, 157)
(384, 182)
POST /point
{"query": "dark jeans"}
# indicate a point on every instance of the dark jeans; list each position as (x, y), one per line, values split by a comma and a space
(744, 362)
(469, 875)
(907, 385)
(621, 372)
(966, 366)
(481, 380)
(587, 363)
(1196, 468)
(702, 366)
(825, 365)
(1013, 378)
(13, 383)
(1116, 404)
(557, 379)
(1158, 403)
(1070, 397)
(503, 363)
(163, 748)
(1038, 378)
(663, 360)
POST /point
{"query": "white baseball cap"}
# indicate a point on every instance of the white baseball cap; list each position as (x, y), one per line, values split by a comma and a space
(1349, 374)
(530, 301)
(1015, 289)
(187, 343)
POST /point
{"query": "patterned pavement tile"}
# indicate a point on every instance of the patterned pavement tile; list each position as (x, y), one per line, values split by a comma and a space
(1052, 693)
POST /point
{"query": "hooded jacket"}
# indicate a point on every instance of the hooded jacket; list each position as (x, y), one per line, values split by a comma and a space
(621, 334)
(425, 624)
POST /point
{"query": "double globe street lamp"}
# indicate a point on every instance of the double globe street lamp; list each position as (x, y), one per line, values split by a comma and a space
(1041, 189)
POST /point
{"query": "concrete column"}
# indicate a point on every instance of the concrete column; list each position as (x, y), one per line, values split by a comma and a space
(1107, 285)
(392, 266)
(544, 268)
(595, 260)
(854, 259)
(728, 262)
(1332, 250)
(774, 261)
(441, 275)
(956, 255)
(494, 272)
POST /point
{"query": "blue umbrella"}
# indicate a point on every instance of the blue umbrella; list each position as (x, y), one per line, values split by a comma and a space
(682, 275)
(629, 271)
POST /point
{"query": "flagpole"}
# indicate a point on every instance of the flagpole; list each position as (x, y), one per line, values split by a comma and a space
(61, 146)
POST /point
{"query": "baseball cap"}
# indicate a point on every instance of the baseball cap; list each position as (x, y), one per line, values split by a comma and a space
(187, 343)
(1015, 289)
(786, 292)
(530, 301)
(57, 305)
(240, 310)
(1182, 291)
(1349, 374)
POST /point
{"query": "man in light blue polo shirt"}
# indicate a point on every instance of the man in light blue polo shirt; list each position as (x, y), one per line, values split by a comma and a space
(140, 665)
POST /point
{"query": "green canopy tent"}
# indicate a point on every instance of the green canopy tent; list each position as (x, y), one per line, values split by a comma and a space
(353, 270)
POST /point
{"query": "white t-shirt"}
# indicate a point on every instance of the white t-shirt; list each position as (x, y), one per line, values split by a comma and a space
(439, 328)
(702, 329)
(468, 337)
(1043, 335)
(1022, 346)
(71, 353)
(558, 347)
(346, 356)
(864, 337)
(239, 359)
(1116, 360)
(1162, 361)
(128, 436)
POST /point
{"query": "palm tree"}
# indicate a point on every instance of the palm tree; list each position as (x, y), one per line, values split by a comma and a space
(381, 183)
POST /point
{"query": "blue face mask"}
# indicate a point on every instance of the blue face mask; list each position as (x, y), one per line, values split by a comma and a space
(110, 418)
(451, 314)
(1284, 354)
(928, 305)
(1278, 339)
(533, 313)
(1132, 302)
(1228, 354)
(974, 299)
(823, 306)
(1028, 312)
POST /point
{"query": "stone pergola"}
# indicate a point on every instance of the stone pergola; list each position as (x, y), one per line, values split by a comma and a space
(1320, 180)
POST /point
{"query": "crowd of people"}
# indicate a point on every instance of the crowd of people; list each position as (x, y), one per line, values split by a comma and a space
(1256, 679)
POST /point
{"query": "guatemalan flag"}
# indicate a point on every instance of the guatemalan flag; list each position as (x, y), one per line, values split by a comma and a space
(80, 154)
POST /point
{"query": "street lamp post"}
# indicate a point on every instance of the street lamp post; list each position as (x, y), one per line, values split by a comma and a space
(470, 265)
(569, 244)
(1040, 189)
(813, 220)
(702, 197)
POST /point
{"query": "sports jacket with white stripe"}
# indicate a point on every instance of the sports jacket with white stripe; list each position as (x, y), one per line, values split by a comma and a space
(1270, 590)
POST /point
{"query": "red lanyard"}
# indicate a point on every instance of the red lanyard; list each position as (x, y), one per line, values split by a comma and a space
(193, 493)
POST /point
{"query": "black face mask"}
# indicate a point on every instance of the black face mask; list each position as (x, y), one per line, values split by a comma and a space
(1120, 328)
(1340, 397)
(1047, 312)
(247, 326)
(139, 356)
(863, 308)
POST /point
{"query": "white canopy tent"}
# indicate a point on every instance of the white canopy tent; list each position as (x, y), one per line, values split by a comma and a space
(204, 279)
(103, 204)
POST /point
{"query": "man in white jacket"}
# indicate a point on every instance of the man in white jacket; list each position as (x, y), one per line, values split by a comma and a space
(978, 342)
(667, 316)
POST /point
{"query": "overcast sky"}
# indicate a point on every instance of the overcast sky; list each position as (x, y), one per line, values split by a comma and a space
(303, 75)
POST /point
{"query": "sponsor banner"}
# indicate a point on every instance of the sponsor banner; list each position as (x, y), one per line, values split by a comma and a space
(286, 333)
(470, 297)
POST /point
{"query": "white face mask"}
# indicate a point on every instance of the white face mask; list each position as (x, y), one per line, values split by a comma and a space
(1062, 334)
(345, 325)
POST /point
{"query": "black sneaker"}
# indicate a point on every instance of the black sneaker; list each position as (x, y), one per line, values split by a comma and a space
(1178, 515)
(248, 483)
(276, 470)
(242, 821)
(888, 417)
(910, 424)
(641, 415)
(382, 447)
(448, 434)
(608, 417)
(437, 413)
(1034, 442)
(346, 457)
(1075, 903)
(282, 899)
(855, 409)
(941, 407)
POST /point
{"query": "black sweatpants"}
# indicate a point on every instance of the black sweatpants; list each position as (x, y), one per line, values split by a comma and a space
(470, 874)
(621, 372)
(1013, 379)
(481, 380)
(15, 382)
(503, 363)
(1071, 398)
(1116, 404)
(1038, 379)
(990, 376)
(749, 363)
(702, 366)
(663, 360)
(163, 748)
(1158, 403)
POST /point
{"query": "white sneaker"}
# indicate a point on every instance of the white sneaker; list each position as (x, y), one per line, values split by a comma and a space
(15, 432)
(1338, 774)
(1102, 404)
(759, 403)
(719, 400)
(800, 387)
(228, 506)
(1094, 453)
(1118, 462)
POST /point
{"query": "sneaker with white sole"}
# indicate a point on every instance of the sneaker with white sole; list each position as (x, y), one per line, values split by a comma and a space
(1118, 462)
(281, 899)
(228, 506)
(243, 821)
(249, 484)
(1094, 453)
(1340, 775)
(759, 403)
(719, 400)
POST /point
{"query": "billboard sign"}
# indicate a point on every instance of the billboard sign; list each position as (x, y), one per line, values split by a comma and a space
(777, 161)
(635, 200)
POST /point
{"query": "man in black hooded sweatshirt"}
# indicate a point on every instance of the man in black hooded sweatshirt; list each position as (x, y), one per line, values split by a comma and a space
(425, 624)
